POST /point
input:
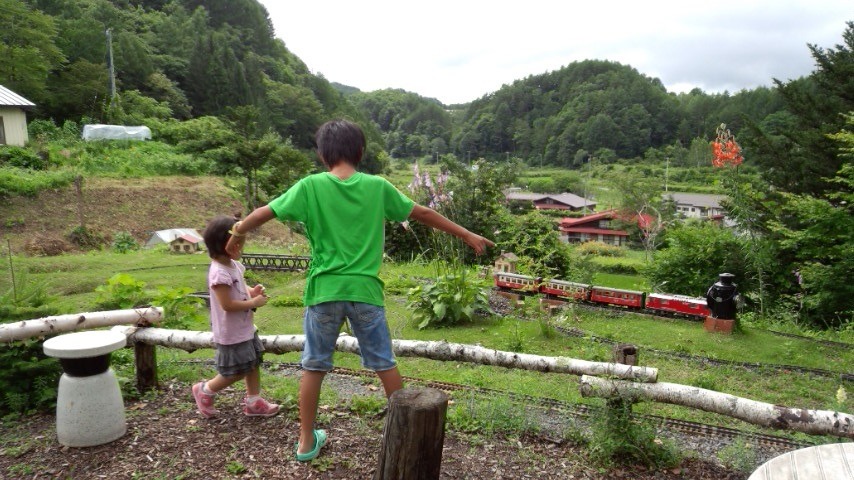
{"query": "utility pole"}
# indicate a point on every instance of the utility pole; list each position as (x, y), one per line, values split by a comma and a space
(666, 171)
(589, 179)
(110, 67)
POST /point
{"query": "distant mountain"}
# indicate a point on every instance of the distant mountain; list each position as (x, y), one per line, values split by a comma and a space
(346, 90)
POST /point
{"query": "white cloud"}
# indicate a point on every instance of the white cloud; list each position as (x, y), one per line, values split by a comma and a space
(458, 51)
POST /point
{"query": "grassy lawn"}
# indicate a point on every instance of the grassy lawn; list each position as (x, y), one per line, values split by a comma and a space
(72, 279)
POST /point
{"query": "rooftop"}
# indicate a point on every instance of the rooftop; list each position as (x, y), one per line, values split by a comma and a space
(9, 98)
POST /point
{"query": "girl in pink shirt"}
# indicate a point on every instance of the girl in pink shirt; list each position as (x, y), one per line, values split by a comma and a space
(238, 348)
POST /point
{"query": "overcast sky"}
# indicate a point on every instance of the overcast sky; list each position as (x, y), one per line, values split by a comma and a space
(458, 51)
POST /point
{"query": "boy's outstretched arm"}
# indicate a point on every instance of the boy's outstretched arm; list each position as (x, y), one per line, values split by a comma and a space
(258, 217)
(434, 219)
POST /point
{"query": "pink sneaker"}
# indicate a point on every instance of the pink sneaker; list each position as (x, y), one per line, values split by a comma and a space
(260, 408)
(204, 401)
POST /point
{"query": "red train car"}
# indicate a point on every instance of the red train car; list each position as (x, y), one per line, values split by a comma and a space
(563, 289)
(514, 281)
(678, 305)
(616, 296)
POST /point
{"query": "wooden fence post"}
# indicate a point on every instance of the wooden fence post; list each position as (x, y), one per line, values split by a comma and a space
(626, 354)
(145, 358)
(413, 436)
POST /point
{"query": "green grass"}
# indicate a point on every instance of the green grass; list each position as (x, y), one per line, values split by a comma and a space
(72, 279)
(616, 280)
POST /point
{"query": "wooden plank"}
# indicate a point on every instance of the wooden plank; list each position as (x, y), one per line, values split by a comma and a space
(833, 461)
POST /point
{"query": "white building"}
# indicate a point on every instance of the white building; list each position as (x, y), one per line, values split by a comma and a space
(697, 205)
(13, 118)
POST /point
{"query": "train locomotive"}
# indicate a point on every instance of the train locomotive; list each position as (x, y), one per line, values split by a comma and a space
(655, 303)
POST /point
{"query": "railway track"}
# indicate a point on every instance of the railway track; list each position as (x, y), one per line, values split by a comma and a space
(582, 411)
(849, 377)
(842, 376)
(577, 410)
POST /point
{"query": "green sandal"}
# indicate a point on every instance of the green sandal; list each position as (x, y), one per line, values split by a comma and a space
(319, 442)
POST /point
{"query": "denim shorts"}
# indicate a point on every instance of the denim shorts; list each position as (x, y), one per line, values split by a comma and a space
(323, 322)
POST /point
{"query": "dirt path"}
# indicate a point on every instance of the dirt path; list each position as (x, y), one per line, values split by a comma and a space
(167, 439)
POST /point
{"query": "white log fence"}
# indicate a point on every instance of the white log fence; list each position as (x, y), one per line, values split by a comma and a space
(190, 341)
(10, 332)
(644, 387)
(816, 422)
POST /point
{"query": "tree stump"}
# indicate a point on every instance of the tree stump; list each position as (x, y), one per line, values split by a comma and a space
(413, 436)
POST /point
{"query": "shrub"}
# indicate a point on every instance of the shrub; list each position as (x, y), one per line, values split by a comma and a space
(28, 378)
(138, 159)
(601, 249)
(618, 439)
(180, 311)
(121, 291)
(620, 268)
(23, 158)
(21, 181)
(86, 238)
(452, 298)
(123, 242)
(48, 131)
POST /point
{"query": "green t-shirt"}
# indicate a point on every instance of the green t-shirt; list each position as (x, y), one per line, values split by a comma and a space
(345, 225)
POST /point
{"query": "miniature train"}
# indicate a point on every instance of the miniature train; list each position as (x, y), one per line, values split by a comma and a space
(655, 303)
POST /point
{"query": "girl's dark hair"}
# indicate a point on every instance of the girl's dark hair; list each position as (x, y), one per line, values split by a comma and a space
(216, 235)
(340, 140)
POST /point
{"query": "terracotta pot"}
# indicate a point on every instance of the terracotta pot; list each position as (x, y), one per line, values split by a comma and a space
(719, 325)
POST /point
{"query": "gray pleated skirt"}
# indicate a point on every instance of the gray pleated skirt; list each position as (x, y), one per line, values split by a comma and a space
(239, 358)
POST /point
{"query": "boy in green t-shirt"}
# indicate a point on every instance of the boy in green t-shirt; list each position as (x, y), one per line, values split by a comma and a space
(344, 213)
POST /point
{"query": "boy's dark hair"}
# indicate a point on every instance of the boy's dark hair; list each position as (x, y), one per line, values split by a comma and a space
(340, 141)
(216, 235)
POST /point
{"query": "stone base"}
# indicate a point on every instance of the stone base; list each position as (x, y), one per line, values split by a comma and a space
(718, 325)
(89, 410)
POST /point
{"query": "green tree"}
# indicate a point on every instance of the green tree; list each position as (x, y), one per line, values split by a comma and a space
(477, 199)
(694, 255)
(816, 234)
(534, 238)
(798, 156)
(28, 52)
(79, 89)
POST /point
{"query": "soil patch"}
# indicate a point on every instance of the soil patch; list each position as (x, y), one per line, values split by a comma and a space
(139, 206)
(168, 439)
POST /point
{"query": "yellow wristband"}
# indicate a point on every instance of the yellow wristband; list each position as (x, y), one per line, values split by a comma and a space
(233, 230)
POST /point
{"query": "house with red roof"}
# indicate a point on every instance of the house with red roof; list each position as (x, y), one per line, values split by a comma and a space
(186, 243)
(600, 227)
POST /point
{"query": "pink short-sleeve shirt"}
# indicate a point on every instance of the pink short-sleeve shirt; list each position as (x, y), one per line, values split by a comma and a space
(229, 327)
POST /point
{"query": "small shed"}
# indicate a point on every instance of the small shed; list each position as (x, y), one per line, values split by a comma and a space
(185, 244)
(167, 236)
(506, 262)
(13, 118)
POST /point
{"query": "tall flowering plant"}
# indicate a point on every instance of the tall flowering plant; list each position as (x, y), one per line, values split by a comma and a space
(456, 293)
(725, 150)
